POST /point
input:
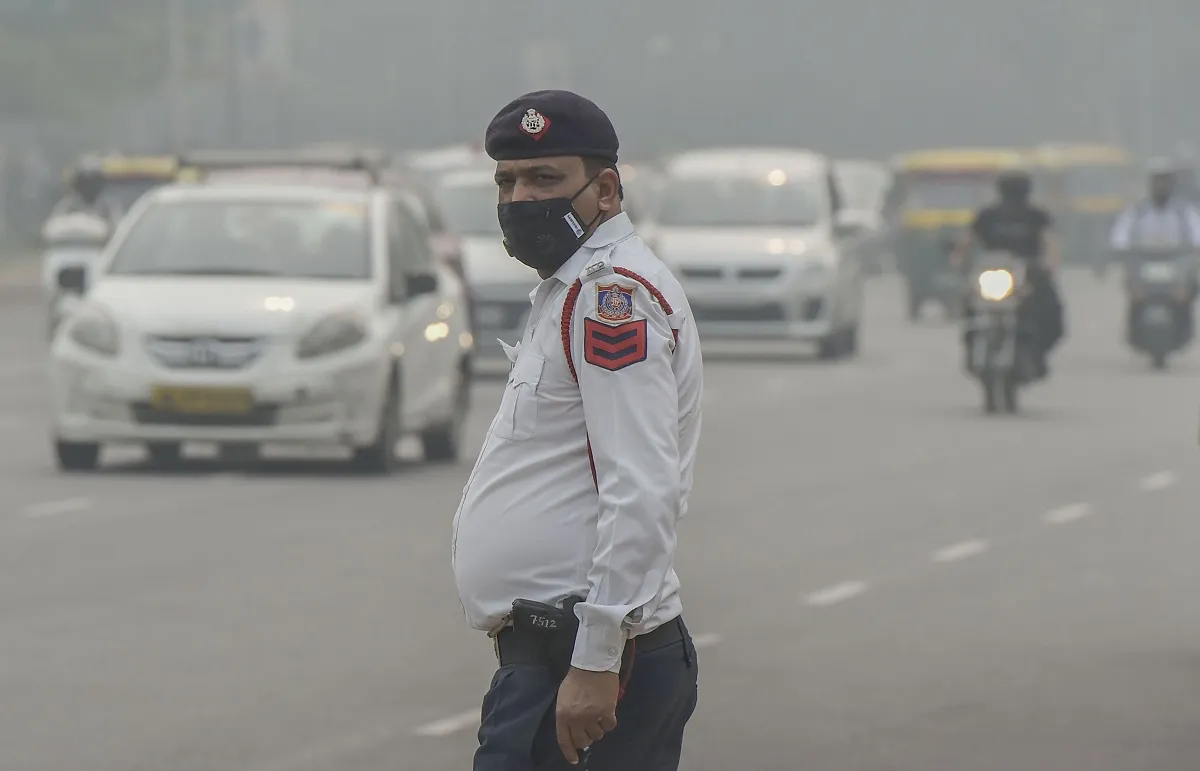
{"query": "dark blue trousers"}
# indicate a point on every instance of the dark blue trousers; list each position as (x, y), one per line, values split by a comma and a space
(517, 729)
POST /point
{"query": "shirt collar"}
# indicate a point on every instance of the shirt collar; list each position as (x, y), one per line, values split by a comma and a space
(607, 233)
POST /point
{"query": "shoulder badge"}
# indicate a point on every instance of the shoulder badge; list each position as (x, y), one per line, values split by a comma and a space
(594, 268)
(535, 124)
(614, 303)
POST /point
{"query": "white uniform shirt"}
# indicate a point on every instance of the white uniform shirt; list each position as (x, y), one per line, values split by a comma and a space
(1144, 226)
(534, 523)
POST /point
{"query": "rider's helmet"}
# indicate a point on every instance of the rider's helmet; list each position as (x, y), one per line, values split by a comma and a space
(1014, 185)
(88, 179)
(1162, 173)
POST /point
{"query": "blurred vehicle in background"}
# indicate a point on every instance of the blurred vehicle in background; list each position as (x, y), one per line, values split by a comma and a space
(272, 299)
(643, 186)
(1084, 187)
(934, 197)
(756, 238)
(128, 177)
(863, 185)
(432, 164)
(1001, 336)
(71, 243)
(1159, 287)
(500, 285)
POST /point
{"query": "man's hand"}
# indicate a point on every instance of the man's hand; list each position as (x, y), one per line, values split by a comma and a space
(586, 711)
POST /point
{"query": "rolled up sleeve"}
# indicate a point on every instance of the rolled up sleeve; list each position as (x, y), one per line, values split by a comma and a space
(631, 408)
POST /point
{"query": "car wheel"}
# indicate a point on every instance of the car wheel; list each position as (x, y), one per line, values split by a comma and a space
(830, 348)
(164, 453)
(380, 456)
(850, 348)
(77, 456)
(443, 442)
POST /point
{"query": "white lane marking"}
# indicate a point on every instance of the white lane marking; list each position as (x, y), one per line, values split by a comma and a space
(832, 595)
(466, 720)
(960, 551)
(55, 508)
(1160, 481)
(450, 725)
(1072, 512)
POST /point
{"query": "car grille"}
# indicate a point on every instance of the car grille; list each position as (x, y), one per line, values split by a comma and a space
(759, 274)
(762, 273)
(499, 315)
(752, 313)
(262, 415)
(204, 352)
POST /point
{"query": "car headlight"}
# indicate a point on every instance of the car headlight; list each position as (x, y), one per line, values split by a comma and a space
(995, 285)
(331, 334)
(94, 329)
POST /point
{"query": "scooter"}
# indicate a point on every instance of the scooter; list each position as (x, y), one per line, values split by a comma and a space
(1001, 352)
(1159, 284)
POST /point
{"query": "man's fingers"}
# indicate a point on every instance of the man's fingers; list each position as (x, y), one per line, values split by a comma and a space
(608, 723)
(565, 742)
(580, 737)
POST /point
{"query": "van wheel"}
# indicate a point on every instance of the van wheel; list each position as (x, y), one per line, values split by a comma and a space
(443, 443)
(380, 456)
(77, 456)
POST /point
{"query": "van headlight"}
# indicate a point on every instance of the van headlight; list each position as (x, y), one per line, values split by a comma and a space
(332, 334)
(995, 285)
(93, 328)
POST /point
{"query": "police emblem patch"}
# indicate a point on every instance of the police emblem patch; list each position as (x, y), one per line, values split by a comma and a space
(535, 124)
(614, 303)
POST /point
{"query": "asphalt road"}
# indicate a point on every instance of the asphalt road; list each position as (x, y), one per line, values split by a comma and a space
(883, 579)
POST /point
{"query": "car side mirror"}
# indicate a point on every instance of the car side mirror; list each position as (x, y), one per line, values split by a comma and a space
(417, 284)
(73, 279)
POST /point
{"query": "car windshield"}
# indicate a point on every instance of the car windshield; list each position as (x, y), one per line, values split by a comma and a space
(294, 239)
(732, 202)
(862, 186)
(932, 192)
(469, 209)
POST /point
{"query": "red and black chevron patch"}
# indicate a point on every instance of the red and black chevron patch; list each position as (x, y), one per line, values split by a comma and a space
(614, 347)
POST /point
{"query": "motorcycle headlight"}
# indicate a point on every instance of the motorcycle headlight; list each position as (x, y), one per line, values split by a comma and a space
(995, 284)
(94, 329)
(332, 334)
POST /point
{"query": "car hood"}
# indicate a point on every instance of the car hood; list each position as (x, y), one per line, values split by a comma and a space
(233, 306)
(487, 262)
(698, 246)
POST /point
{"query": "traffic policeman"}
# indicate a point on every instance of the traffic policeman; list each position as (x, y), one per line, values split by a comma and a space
(1163, 220)
(564, 541)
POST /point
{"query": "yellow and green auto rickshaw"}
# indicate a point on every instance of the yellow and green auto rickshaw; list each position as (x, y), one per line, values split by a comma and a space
(934, 196)
(1084, 186)
(129, 177)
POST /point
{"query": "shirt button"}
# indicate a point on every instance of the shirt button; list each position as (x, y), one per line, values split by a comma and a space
(612, 651)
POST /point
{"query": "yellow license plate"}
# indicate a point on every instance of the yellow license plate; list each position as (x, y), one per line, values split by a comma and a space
(202, 401)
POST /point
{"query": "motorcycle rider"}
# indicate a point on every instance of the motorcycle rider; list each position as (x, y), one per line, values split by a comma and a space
(87, 194)
(1165, 219)
(1014, 224)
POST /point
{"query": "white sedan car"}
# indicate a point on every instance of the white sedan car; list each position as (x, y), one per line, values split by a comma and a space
(264, 314)
(755, 238)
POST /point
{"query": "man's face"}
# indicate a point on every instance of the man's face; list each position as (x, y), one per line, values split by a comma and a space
(1161, 187)
(540, 179)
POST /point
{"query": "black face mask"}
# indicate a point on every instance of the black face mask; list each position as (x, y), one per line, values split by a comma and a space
(544, 234)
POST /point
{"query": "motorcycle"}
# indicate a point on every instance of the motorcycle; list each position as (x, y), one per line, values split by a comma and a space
(1001, 344)
(72, 245)
(1160, 284)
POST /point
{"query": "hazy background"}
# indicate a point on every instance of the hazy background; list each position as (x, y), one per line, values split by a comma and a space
(864, 77)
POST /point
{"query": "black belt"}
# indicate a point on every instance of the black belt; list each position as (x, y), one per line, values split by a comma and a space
(513, 647)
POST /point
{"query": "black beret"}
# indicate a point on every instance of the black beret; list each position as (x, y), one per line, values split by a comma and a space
(543, 124)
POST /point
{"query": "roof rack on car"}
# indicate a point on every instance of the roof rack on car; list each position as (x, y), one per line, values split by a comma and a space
(375, 163)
